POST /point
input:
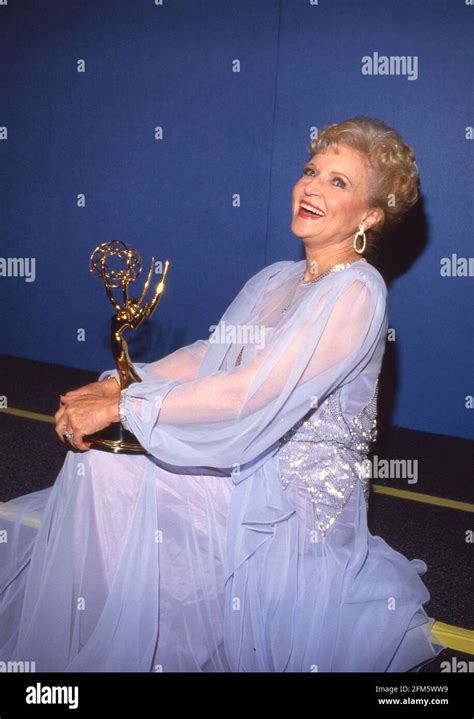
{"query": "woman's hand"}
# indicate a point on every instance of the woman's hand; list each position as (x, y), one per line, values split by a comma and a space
(85, 414)
(105, 388)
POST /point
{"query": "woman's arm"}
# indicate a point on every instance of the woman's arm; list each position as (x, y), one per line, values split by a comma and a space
(181, 365)
(231, 417)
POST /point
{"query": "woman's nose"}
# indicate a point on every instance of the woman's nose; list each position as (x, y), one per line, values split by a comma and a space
(313, 187)
(312, 184)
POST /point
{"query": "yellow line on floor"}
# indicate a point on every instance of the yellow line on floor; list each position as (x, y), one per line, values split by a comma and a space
(457, 638)
(381, 489)
(426, 498)
(27, 520)
(27, 415)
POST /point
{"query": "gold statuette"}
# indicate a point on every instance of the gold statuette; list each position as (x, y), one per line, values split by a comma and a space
(119, 265)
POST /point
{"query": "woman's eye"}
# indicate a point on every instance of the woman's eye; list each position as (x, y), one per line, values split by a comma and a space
(336, 179)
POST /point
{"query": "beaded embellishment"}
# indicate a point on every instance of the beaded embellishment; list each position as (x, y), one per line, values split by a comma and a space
(328, 454)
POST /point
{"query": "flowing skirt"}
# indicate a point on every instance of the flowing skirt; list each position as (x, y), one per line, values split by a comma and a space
(123, 565)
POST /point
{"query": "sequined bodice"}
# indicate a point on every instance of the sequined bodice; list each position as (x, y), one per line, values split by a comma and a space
(329, 455)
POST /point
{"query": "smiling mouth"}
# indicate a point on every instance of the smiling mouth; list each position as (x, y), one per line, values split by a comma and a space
(308, 211)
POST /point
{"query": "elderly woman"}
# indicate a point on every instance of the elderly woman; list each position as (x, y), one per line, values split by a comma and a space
(240, 542)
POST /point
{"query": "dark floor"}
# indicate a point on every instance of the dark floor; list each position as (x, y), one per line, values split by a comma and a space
(31, 457)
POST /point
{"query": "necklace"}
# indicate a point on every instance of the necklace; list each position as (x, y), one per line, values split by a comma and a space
(306, 283)
(335, 268)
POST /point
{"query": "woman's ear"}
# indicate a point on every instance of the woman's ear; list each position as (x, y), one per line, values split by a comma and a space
(373, 218)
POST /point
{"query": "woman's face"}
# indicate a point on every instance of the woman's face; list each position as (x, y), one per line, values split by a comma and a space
(336, 184)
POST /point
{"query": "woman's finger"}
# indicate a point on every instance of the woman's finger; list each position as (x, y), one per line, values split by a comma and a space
(83, 416)
(62, 423)
(59, 412)
(78, 439)
(81, 444)
(60, 432)
(69, 396)
(61, 429)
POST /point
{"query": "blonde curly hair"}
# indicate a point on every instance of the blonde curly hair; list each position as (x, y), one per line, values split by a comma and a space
(393, 172)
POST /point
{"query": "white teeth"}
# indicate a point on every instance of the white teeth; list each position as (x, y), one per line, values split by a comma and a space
(312, 209)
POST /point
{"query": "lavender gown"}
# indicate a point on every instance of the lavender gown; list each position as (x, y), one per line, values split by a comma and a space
(241, 543)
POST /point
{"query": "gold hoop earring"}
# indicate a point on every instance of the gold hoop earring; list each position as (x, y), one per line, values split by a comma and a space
(356, 237)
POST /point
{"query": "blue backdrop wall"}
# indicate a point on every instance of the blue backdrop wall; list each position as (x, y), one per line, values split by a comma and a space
(180, 127)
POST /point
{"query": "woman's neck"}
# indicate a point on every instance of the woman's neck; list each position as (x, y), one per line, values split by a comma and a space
(317, 263)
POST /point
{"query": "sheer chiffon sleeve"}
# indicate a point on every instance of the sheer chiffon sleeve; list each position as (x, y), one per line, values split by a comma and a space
(232, 416)
(183, 364)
